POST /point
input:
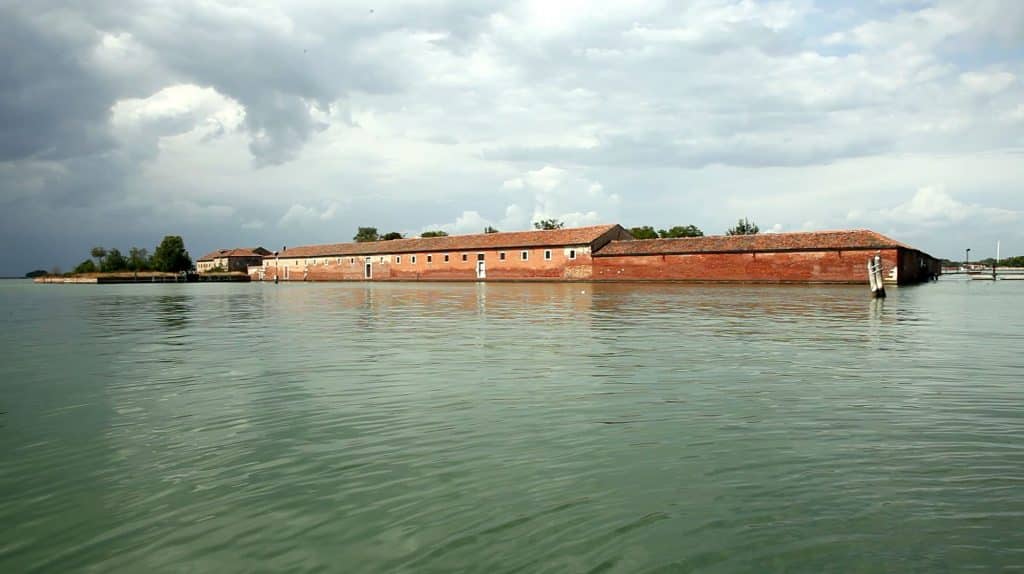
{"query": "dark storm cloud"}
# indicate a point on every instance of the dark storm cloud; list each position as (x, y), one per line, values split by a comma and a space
(282, 68)
(51, 105)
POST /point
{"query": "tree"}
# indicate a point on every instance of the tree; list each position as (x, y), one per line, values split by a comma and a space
(98, 253)
(391, 236)
(170, 256)
(364, 234)
(548, 224)
(744, 227)
(86, 266)
(682, 231)
(437, 233)
(645, 232)
(37, 273)
(114, 261)
(138, 259)
(490, 229)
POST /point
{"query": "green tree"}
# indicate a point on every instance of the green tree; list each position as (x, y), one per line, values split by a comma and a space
(490, 229)
(744, 227)
(171, 256)
(548, 224)
(437, 233)
(391, 236)
(86, 266)
(365, 234)
(138, 259)
(98, 253)
(114, 261)
(37, 273)
(682, 231)
(645, 232)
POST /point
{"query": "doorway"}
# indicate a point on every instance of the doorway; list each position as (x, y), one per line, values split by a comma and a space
(368, 270)
(481, 270)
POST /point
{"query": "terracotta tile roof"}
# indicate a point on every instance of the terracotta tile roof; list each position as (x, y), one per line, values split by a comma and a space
(507, 239)
(237, 252)
(803, 241)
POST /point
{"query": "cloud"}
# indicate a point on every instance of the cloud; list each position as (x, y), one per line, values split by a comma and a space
(555, 193)
(298, 215)
(934, 207)
(987, 83)
(497, 112)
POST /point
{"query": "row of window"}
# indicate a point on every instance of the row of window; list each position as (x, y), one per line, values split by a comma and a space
(502, 256)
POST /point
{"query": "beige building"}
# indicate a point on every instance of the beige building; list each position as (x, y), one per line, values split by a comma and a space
(238, 259)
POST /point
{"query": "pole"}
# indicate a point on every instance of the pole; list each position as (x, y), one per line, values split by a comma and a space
(996, 262)
(967, 261)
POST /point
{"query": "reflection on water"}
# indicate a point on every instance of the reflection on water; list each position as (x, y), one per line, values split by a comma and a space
(503, 427)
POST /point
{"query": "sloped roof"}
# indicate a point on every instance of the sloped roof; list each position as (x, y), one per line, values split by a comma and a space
(508, 239)
(237, 252)
(802, 241)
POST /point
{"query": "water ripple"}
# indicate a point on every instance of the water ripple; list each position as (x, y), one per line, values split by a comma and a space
(510, 428)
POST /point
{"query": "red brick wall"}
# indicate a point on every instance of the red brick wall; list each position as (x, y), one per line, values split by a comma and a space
(560, 267)
(798, 267)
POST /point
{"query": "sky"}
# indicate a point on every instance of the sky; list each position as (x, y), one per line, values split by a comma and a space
(243, 123)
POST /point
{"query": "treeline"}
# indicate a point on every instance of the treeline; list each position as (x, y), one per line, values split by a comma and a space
(648, 232)
(366, 234)
(1016, 261)
(170, 256)
(743, 227)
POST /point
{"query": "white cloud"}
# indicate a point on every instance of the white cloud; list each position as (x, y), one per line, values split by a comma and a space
(298, 215)
(316, 117)
(987, 83)
(934, 207)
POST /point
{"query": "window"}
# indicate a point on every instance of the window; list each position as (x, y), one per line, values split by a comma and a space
(572, 254)
(352, 260)
(430, 258)
(547, 255)
(398, 258)
(524, 255)
(382, 259)
(501, 256)
(368, 259)
(479, 256)
(465, 257)
(446, 258)
(413, 260)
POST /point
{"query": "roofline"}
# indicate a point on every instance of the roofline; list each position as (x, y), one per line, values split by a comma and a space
(284, 254)
(887, 243)
(754, 250)
(607, 227)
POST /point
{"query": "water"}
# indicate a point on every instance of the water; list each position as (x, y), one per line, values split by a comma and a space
(511, 427)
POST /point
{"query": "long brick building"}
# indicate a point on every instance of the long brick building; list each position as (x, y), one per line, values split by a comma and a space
(604, 253)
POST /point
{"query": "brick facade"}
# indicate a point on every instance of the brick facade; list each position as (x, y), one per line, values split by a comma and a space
(605, 253)
(838, 266)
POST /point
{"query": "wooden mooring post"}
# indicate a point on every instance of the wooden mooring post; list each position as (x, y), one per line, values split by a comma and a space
(875, 277)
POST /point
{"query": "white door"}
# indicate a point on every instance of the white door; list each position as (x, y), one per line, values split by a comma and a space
(481, 270)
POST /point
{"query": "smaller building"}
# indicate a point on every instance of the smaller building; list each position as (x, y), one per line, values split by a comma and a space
(231, 260)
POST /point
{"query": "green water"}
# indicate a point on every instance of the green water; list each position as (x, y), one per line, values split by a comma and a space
(511, 427)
